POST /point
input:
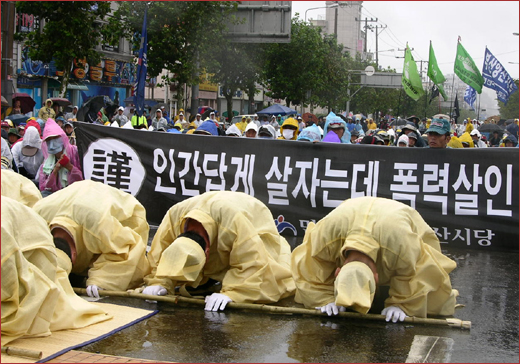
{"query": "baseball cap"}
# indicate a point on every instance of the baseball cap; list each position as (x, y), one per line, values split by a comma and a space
(439, 126)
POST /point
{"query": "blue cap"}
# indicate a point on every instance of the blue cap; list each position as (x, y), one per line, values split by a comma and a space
(439, 126)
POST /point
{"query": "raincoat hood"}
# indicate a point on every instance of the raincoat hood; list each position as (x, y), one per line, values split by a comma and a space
(53, 129)
(292, 122)
(333, 118)
(48, 100)
(311, 133)
(355, 287)
(208, 127)
(252, 126)
(31, 138)
(268, 128)
(466, 138)
(233, 130)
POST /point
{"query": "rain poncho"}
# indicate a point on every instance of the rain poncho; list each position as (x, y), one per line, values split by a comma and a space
(109, 229)
(403, 139)
(50, 181)
(31, 164)
(292, 122)
(207, 127)
(37, 297)
(466, 138)
(333, 118)
(405, 249)
(233, 130)
(331, 137)
(246, 252)
(242, 124)
(19, 188)
(251, 126)
(311, 133)
(159, 122)
(269, 129)
(47, 112)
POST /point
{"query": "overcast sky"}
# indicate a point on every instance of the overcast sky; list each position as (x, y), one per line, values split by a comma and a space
(478, 23)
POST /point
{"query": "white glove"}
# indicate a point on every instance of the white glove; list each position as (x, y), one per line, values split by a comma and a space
(92, 291)
(394, 313)
(216, 301)
(155, 290)
(331, 308)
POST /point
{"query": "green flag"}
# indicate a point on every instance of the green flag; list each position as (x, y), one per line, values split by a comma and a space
(411, 79)
(435, 73)
(466, 69)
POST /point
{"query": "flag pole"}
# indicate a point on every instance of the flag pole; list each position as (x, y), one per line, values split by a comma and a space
(453, 91)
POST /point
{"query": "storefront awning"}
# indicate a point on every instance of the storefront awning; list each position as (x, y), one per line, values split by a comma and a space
(77, 86)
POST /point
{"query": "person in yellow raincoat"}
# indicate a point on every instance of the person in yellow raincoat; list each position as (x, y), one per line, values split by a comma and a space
(370, 241)
(19, 188)
(105, 228)
(289, 129)
(37, 297)
(227, 236)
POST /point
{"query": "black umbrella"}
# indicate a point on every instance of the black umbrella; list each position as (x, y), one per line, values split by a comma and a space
(398, 122)
(489, 128)
(88, 111)
(206, 113)
(26, 102)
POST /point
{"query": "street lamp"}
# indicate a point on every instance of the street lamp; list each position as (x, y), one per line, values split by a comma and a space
(336, 5)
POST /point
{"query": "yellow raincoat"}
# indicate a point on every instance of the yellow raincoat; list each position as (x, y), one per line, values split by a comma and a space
(293, 122)
(19, 188)
(246, 252)
(37, 297)
(110, 231)
(466, 138)
(242, 124)
(405, 249)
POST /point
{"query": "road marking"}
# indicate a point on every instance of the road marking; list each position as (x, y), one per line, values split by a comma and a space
(430, 349)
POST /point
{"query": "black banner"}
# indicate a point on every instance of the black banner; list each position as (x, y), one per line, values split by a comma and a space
(469, 196)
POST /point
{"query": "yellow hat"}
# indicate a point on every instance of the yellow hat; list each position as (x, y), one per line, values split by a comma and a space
(355, 287)
(182, 261)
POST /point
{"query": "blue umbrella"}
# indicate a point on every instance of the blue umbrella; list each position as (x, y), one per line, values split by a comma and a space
(17, 118)
(276, 109)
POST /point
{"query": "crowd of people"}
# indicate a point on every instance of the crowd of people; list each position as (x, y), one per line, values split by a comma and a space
(410, 132)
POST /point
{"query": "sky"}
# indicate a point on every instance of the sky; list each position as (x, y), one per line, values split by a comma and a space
(478, 23)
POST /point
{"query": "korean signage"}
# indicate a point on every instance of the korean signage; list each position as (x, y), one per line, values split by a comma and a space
(469, 197)
(107, 71)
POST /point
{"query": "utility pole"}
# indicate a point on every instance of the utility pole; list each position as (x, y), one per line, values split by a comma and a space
(366, 27)
(403, 50)
(377, 48)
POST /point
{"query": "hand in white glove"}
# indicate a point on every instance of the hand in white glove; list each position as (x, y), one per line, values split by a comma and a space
(394, 313)
(331, 308)
(155, 290)
(92, 291)
(216, 301)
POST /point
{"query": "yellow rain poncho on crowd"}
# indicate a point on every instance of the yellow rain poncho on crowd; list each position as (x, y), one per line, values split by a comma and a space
(466, 138)
(293, 122)
(109, 229)
(246, 252)
(19, 188)
(405, 249)
(37, 297)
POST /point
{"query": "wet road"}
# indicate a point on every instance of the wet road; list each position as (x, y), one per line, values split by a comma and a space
(488, 283)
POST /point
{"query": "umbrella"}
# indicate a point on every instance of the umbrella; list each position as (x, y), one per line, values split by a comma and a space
(276, 109)
(398, 122)
(413, 119)
(158, 106)
(441, 116)
(17, 118)
(206, 113)
(26, 102)
(4, 102)
(489, 128)
(88, 111)
(60, 101)
(224, 114)
(308, 116)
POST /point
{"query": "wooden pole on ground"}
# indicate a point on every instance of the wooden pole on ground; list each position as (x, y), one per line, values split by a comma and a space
(13, 351)
(451, 322)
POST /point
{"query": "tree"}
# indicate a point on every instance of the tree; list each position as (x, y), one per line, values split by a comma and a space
(236, 66)
(292, 69)
(71, 30)
(179, 34)
(510, 110)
